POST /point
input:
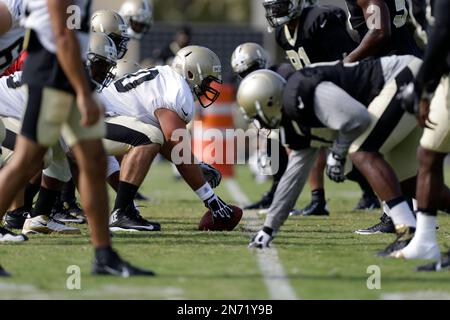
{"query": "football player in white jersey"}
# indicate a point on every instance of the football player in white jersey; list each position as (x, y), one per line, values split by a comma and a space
(145, 110)
(60, 102)
(11, 33)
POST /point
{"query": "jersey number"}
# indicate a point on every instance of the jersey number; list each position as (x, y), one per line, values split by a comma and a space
(402, 13)
(133, 80)
(298, 59)
(9, 55)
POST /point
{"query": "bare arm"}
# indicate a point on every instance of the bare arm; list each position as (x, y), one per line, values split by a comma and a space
(5, 19)
(378, 20)
(190, 172)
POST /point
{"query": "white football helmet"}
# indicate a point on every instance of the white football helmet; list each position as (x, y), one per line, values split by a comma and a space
(260, 98)
(139, 15)
(112, 23)
(101, 59)
(280, 12)
(249, 57)
(200, 67)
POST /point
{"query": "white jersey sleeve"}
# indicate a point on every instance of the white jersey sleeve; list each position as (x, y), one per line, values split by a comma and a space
(140, 94)
(12, 96)
(11, 41)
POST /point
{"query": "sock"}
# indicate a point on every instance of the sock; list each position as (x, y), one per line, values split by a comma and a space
(45, 201)
(30, 192)
(400, 212)
(424, 244)
(125, 195)
(318, 195)
(205, 192)
(68, 192)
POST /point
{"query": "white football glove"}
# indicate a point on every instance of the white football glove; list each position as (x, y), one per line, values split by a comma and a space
(260, 240)
(211, 174)
(335, 167)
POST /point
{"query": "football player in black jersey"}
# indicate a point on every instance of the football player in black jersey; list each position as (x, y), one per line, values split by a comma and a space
(311, 34)
(430, 94)
(368, 122)
(381, 25)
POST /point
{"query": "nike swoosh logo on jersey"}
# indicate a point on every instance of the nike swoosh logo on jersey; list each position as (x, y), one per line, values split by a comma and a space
(323, 24)
(184, 112)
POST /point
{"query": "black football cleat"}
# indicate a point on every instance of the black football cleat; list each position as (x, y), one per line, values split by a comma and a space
(315, 208)
(384, 226)
(9, 236)
(131, 220)
(404, 237)
(442, 265)
(16, 218)
(114, 265)
(368, 202)
(3, 272)
(264, 203)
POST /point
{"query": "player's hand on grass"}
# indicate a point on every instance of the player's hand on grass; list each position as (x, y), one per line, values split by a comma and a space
(89, 109)
(211, 174)
(335, 167)
(218, 207)
(260, 240)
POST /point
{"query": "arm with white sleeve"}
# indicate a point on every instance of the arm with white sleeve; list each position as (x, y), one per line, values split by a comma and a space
(336, 109)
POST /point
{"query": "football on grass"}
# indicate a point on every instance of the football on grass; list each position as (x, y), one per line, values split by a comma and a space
(207, 223)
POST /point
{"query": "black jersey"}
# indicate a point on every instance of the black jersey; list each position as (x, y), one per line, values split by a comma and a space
(321, 36)
(42, 67)
(402, 41)
(298, 97)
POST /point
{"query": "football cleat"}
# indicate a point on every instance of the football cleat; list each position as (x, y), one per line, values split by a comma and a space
(15, 219)
(315, 208)
(9, 236)
(66, 217)
(384, 226)
(115, 266)
(260, 240)
(3, 272)
(442, 265)
(46, 225)
(73, 208)
(131, 220)
(367, 203)
(404, 237)
(264, 203)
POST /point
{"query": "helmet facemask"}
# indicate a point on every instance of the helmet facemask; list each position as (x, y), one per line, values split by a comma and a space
(100, 70)
(205, 93)
(121, 43)
(280, 12)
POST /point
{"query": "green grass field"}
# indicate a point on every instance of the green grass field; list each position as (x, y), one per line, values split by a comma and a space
(322, 257)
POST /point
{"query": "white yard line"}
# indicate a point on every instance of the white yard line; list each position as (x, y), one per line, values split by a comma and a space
(269, 263)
